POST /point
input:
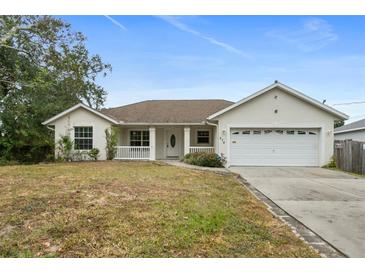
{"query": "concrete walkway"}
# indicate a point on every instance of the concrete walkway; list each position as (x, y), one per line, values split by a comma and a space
(182, 164)
(330, 203)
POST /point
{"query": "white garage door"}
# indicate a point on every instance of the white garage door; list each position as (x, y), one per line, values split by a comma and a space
(274, 147)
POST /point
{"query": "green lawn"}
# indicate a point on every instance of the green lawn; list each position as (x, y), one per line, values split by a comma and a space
(135, 209)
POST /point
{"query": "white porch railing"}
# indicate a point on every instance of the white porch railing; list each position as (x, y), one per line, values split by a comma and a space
(132, 153)
(201, 149)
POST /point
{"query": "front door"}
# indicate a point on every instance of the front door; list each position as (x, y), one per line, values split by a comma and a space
(172, 143)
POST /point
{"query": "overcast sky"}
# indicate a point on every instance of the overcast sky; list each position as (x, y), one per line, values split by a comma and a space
(229, 57)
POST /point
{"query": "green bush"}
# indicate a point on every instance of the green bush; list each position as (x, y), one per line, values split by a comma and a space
(203, 159)
(49, 158)
(64, 146)
(94, 153)
(332, 163)
(4, 162)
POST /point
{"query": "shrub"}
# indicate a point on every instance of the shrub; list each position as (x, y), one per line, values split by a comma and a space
(332, 163)
(80, 155)
(64, 146)
(49, 158)
(94, 153)
(111, 143)
(4, 162)
(203, 159)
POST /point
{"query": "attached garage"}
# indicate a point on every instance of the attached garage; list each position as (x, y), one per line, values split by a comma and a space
(276, 126)
(274, 147)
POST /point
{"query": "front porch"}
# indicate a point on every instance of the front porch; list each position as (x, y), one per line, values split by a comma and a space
(162, 142)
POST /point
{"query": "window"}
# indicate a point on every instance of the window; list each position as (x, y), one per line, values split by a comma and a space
(290, 132)
(203, 136)
(246, 132)
(279, 131)
(312, 133)
(83, 138)
(267, 131)
(235, 133)
(172, 140)
(301, 132)
(139, 138)
(257, 132)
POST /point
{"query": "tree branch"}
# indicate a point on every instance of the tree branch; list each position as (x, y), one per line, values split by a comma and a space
(10, 47)
(12, 31)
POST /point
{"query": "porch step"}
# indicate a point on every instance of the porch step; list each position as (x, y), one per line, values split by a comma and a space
(172, 157)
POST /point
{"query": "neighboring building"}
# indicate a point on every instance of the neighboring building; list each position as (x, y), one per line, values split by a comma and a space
(354, 131)
(276, 126)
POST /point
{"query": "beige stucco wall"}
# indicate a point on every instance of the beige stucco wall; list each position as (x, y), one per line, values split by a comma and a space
(194, 134)
(124, 138)
(124, 134)
(292, 112)
(193, 138)
(354, 135)
(81, 117)
(160, 153)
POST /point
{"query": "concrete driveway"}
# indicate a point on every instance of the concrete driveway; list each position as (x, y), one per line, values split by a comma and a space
(331, 203)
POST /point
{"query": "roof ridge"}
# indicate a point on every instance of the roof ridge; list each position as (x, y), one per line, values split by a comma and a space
(203, 99)
(165, 100)
(131, 104)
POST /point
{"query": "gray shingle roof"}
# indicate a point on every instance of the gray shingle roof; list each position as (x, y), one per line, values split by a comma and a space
(352, 126)
(167, 111)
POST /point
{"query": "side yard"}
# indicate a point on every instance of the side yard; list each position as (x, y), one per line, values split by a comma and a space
(135, 209)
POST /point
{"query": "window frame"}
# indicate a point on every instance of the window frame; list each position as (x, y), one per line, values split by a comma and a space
(76, 139)
(197, 136)
(141, 138)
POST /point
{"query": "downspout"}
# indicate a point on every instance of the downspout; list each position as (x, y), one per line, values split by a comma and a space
(50, 128)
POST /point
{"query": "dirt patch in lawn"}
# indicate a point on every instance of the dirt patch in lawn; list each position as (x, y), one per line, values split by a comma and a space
(135, 209)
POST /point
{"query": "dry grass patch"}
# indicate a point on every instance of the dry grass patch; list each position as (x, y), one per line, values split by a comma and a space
(135, 209)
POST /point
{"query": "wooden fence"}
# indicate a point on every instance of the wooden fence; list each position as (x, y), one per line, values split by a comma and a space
(350, 156)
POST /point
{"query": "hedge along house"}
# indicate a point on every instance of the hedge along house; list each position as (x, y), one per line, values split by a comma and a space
(276, 126)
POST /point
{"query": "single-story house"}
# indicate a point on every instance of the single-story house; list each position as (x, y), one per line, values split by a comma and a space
(276, 126)
(353, 131)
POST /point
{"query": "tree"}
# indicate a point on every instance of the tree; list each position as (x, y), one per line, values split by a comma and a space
(339, 123)
(45, 68)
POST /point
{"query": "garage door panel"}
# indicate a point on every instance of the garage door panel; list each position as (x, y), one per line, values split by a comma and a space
(274, 147)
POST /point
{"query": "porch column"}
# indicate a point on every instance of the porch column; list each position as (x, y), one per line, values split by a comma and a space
(186, 140)
(152, 143)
